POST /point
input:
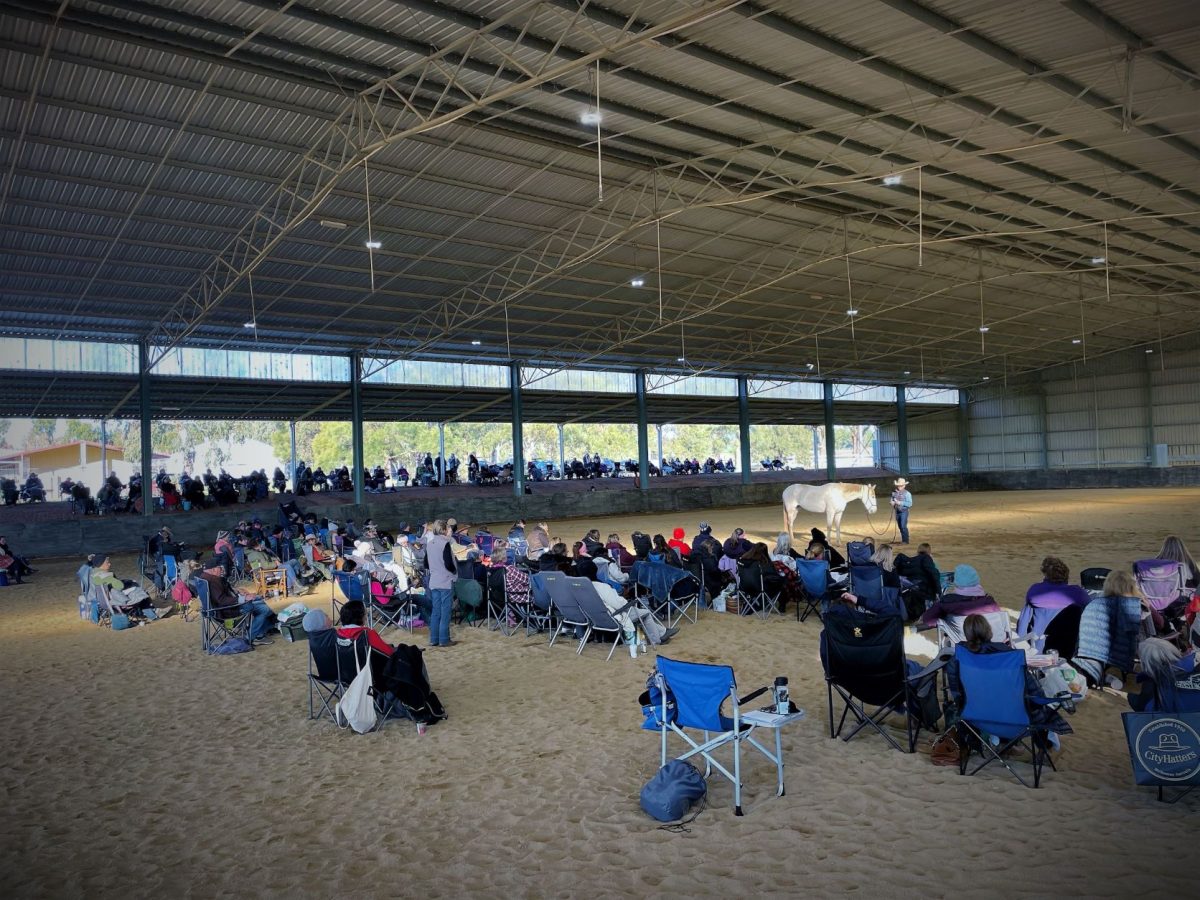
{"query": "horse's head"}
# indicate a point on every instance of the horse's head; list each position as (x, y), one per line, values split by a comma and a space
(868, 498)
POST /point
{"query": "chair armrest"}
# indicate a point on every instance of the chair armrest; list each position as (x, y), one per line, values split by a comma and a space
(762, 690)
(933, 667)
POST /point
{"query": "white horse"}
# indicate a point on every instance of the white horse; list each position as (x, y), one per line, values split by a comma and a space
(831, 499)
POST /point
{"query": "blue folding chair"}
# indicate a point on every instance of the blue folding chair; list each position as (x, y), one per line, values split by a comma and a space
(866, 583)
(996, 706)
(814, 579)
(690, 697)
(220, 625)
(352, 586)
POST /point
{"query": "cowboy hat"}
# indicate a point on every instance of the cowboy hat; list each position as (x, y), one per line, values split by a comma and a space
(900, 482)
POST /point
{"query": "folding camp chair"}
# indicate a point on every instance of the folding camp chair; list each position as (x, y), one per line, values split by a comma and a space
(351, 654)
(859, 553)
(863, 657)
(758, 595)
(995, 706)
(600, 620)
(220, 625)
(814, 579)
(690, 697)
(324, 682)
(1164, 749)
(866, 583)
(469, 594)
(671, 593)
(564, 601)
(351, 586)
(541, 608)
(397, 610)
(520, 610)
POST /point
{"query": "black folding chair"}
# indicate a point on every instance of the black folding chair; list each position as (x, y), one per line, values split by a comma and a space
(863, 657)
(324, 680)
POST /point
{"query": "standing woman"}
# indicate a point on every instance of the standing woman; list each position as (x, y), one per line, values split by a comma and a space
(442, 574)
(901, 503)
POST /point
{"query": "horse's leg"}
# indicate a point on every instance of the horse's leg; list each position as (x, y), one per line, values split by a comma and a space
(789, 516)
(833, 519)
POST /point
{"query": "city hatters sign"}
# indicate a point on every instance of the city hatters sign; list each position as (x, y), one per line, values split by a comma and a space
(1164, 748)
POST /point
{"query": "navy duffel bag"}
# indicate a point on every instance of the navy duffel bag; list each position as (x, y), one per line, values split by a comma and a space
(672, 791)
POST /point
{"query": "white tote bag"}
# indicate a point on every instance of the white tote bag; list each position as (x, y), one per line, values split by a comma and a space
(356, 708)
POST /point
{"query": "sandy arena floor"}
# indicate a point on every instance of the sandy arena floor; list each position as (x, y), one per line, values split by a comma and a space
(137, 766)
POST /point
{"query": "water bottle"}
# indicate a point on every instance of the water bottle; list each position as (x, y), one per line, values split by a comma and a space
(642, 651)
(781, 696)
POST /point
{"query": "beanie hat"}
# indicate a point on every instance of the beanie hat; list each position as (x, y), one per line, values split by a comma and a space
(965, 576)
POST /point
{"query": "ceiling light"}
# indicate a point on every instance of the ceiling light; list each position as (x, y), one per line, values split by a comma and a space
(475, 343)
(809, 366)
(906, 372)
(590, 117)
(1149, 351)
(1076, 340)
(852, 312)
(1099, 260)
(373, 245)
(983, 329)
(681, 359)
(170, 409)
(638, 281)
(817, 296)
(249, 324)
(987, 378)
(330, 223)
(891, 180)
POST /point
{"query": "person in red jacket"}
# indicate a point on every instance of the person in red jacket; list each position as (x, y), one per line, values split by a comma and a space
(353, 618)
(677, 542)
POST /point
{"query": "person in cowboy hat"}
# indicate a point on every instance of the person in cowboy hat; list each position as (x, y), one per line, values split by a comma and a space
(901, 503)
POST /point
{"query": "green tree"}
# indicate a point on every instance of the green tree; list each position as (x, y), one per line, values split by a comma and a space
(42, 432)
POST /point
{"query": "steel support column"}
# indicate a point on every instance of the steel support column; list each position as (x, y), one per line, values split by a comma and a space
(147, 439)
(901, 431)
(292, 471)
(562, 452)
(442, 452)
(639, 383)
(964, 434)
(743, 400)
(518, 436)
(1043, 430)
(103, 449)
(830, 448)
(658, 428)
(356, 426)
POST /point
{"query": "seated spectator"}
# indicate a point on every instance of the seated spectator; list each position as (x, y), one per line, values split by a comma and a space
(977, 638)
(921, 571)
(617, 550)
(585, 566)
(315, 621)
(1174, 549)
(629, 614)
(885, 559)
(556, 560)
(539, 541)
(352, 621)
(830, 555)
(783, 553)
(679, 545)
(967, 597)
(736, 544)
(1159, 681)
(261, 559)
(591, 541)
(321, 560)
(609, 571)
(11, 562)
(221, 596)
(1055, 576)
(664, 553)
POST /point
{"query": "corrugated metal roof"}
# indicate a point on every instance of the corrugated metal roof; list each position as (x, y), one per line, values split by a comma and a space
(507, 202)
